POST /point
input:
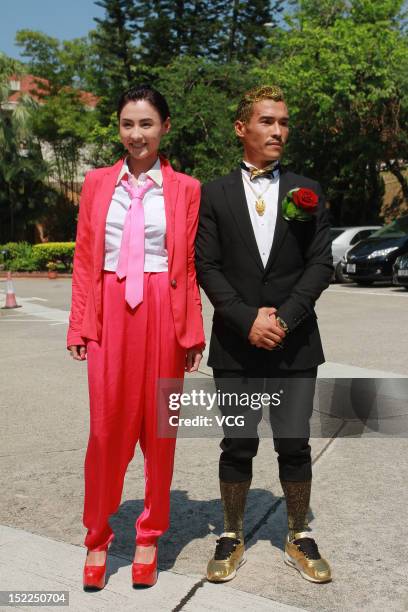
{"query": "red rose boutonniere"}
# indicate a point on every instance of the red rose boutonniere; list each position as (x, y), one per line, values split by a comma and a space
(300, 204)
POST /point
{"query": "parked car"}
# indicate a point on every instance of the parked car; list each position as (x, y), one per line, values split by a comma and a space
(372, 259)
(400, 271)
(342, 239)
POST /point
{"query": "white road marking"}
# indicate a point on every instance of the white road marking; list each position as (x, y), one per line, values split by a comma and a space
(332, 369)
(354, 292)
(55, 316)
(37, 299)
(42, 312)
(26, 320)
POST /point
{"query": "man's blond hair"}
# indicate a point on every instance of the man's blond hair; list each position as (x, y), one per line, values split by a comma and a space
(257, 94)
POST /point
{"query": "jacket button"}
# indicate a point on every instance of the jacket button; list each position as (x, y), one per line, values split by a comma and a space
(265, 283)
(173, 283)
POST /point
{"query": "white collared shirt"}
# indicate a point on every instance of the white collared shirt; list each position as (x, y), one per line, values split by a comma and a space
(263, 226)
(156, 259)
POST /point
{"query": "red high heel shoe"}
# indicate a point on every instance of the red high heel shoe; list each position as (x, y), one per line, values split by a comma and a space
(145, 574)
(94, 576)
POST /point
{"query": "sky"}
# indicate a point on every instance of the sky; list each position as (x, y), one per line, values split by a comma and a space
(63, 19)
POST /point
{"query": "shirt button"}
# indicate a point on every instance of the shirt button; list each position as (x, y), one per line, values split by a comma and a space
(265, 282)
(173, 283)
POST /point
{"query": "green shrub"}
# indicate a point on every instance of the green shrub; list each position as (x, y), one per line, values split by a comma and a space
(14, 250)
(61, 253)
(23, 264)
(19, 256)
(24, 257)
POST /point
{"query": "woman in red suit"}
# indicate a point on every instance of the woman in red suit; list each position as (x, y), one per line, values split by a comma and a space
(136, 317)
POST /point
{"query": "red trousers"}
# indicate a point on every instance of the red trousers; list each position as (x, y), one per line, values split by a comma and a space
(137, 347)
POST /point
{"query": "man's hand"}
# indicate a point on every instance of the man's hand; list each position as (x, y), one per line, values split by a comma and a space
(78, 351)
(266, 332)
(193, 358)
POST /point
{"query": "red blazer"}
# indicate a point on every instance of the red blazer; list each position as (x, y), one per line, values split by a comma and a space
(181, 199)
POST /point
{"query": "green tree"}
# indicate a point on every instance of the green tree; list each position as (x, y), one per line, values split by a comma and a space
(62, 63)
(247, 26)
(203, 97)
(24, 195)
(217, 30)
(322, 12)
(116, 62)
(346, 103)
(169, 29)
(65, 125)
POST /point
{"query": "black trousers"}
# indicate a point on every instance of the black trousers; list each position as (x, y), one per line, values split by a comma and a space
(289, 421)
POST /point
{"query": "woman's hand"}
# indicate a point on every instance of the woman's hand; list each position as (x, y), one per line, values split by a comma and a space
(193, 358)
(78, 351)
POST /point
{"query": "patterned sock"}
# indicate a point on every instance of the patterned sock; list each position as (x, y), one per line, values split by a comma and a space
(297, 495)
(233, 495)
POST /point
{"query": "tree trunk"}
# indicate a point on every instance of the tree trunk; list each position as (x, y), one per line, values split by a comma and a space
(370, 214)
(233, 31)
(179, 14)
(394, 168)
(11, 213)
(121, 23)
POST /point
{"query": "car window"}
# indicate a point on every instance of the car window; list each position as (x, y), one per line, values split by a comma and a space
(366, 233)
(356, 238)
(396, 229)
(362, 235)
(334, 233)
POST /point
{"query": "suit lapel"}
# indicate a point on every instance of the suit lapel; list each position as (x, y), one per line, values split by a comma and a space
(282, 226)
(171, 186)
(103, 198)
(235, 194)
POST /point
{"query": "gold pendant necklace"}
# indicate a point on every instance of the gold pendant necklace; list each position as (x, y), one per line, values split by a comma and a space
(260, 205)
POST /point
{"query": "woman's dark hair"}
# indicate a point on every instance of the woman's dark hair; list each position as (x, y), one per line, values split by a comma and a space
(145, 92)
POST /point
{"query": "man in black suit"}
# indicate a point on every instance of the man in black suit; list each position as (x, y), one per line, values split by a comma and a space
(263, 273)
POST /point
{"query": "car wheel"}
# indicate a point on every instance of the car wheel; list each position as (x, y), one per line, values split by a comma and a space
(366, 283)
(338, 274)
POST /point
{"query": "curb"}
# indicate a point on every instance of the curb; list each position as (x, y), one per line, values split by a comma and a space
(35, 275)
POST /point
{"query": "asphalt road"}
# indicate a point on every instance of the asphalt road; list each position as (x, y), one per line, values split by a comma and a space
(361, 327)
(359, 494)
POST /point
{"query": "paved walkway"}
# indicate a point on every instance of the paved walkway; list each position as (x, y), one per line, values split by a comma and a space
(40, 563)
(358, 505)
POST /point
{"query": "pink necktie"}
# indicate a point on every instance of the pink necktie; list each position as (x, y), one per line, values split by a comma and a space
(131, 256)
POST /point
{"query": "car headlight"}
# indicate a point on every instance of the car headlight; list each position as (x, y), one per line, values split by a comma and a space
(382, 252)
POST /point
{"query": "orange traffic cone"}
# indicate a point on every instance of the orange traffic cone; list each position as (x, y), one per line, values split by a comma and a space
(10, 295)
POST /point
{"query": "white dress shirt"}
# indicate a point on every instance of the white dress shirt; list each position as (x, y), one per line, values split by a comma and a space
(156, 259)
(263, 226)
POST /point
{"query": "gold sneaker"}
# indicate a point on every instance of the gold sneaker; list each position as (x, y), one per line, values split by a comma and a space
(302, 554)
(229, 556)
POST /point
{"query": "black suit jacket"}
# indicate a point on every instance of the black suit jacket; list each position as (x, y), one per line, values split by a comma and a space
(231, 272)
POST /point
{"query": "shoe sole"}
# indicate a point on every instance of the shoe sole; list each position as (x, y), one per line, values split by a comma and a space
(91, 589)
(144, 585)
(231, 576)
(289, 561)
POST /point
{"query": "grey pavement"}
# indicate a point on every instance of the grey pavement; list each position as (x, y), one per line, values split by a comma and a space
(359, 496)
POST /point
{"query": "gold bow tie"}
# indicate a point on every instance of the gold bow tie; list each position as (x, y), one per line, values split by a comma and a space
(266, 171)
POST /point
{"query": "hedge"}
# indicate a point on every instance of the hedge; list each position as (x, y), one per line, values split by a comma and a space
(24, 257)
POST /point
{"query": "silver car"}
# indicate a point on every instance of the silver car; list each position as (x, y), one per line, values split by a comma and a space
(342, 239)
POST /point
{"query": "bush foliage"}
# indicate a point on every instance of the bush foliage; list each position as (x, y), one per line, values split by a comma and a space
(24, 257)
